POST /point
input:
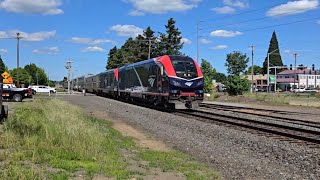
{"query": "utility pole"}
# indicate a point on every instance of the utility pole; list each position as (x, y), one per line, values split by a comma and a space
(37, 77)
(18, 39)
(68, 66)
(252, 68)
(198, 42)
(149, 54)
(295, 67)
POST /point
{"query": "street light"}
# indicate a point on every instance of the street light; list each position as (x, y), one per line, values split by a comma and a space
(18, 38)
(268, 83)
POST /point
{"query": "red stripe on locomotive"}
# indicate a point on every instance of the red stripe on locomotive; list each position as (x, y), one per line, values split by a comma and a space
(198, 69)
(167, 64)
(116, 73)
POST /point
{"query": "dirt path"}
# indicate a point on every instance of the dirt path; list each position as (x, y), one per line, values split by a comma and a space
(142, 139)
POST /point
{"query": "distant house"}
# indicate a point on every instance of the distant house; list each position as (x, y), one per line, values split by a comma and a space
(302, 77)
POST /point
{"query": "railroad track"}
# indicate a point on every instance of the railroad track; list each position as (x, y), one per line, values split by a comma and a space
(261, 113)
(230, 107)
(280, 131)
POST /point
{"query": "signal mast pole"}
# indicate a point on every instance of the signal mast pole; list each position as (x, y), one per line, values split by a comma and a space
(68, 66)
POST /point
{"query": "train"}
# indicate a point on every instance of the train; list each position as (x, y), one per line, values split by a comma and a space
(175, 82)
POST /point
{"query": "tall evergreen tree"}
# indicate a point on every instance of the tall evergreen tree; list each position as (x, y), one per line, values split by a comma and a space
(275, 57)
(2, 66)
(130, 52)
(143, 41)
(170, 42)
(111, 58)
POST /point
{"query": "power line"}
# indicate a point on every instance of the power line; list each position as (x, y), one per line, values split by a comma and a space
(256, 19)
(242, 13)
(283, 24)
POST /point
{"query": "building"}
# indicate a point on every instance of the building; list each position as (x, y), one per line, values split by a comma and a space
(259, 81)
(302, 77)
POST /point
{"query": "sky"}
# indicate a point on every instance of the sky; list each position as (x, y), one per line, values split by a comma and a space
(83, 31)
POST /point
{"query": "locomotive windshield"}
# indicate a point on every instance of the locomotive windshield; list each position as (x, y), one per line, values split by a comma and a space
(184, 69)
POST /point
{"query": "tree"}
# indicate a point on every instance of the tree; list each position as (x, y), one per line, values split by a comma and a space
(257, 70)
(24, 76)
(236, 64)
(111, 62)
(209, 74)
(274, 57)
(235, 85)
(208, 71)
(2, 68)
(143, 44)
(170, 42)
(37, 74)
(220, 77)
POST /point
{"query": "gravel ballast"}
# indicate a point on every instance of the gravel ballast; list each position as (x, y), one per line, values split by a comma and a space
(235, 153)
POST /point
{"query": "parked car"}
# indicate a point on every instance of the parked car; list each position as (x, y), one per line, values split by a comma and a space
(260, 90)
(43, 89)
(299, 90)
(310, 90)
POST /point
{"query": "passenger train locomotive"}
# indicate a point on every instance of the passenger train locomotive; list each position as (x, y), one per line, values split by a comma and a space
(171, 81)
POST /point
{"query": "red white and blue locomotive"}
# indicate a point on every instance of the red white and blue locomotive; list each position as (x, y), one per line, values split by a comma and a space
(171, 81)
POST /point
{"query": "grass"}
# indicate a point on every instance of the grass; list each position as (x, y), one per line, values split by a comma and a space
(213, 96)
(285, 99)
(179, 162)
(51, 139)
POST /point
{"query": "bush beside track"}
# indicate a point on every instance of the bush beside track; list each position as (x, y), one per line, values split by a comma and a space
(51, 139)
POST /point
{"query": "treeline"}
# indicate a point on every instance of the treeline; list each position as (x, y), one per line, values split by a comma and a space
(28, 75)
(145, 45)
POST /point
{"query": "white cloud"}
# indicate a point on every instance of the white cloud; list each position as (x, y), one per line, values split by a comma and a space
(287, 51)
(136, 13)
(204, 41)
(186, 41)
(3, 34)
(219, 47)
(49, 50)
(3, 51)
(37, 36)
(93, 49)
(236, 3)
(127, 30)
(163, 6)
(90, 41)
(224, 33)
(45, 7)
(224, 10)
(293, 7)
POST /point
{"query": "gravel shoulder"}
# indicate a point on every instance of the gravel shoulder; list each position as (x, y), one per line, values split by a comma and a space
(236, 154)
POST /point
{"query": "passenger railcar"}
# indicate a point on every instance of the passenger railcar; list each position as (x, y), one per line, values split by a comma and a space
(171, 81)
(108, 83)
